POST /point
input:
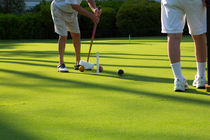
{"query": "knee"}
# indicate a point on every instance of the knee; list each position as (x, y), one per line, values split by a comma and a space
(62, 38)
(175, 37)
(75, 35)
(199, 37)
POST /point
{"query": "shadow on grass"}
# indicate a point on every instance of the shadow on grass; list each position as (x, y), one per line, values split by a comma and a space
(142, 78)
(10, 133)
(112, 43)
(133, 54)
(36, 54)
(143, 56)
(109, 87)
(45, 54)
(22, 61)
(29, 62)
(125, 39)
(147, 67)
(128, 58)
(194, 91)
(28, 59)
(133, 77)
(7, 46)
(26, 63)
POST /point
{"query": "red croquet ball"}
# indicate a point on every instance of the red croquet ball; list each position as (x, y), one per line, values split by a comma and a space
(100, 68)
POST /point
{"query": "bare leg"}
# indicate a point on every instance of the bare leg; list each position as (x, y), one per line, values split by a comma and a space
(200, 54)
(174, 40)
(200, 47)
(174, 47)
(61, 48)
(174, 54)
(76, 42)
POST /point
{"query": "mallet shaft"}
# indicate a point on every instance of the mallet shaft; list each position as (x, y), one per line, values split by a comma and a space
(91, 43)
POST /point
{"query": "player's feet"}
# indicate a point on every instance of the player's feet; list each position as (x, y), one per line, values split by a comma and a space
(180, 85)
(76, 66)
(199, 82)
(62, 68)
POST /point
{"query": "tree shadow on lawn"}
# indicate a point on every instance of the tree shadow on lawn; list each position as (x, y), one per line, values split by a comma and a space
(113, 43)
(26, 63)
(143, 78)
(160, 39)
(147, 67)
(122, 56)
(145, 56)
(29, 62)
(133, 54)
(36, 54)
(28, 59)
(85, 40)
(128, 58)
(194, 91)
(8, 132)
(133, 77)
(107, 73)
(8, 46)
(22, 61)
(45, 54)
(109, 87)
(16, 42)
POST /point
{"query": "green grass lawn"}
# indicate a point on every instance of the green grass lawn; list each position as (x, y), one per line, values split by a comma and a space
(38, 103)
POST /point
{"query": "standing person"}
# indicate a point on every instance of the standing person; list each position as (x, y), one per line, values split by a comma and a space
(64, 15)
(174, 14)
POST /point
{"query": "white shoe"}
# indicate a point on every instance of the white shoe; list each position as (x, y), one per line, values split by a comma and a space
(62, 68)
(199, 82)
(180, 85)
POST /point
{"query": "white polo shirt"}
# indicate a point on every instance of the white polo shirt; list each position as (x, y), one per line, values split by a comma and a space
(65, 5)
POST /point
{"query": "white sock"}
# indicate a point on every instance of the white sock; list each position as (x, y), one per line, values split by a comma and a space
(176, 67)
(201, 67)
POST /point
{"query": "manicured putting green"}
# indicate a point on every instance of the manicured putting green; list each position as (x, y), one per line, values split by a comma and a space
(38, 103)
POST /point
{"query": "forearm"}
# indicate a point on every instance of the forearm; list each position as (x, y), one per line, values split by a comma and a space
(92, 5)
(82, 11)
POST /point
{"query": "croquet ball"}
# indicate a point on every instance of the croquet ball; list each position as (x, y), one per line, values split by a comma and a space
(100, 68)
(81, 68)
(120, 72)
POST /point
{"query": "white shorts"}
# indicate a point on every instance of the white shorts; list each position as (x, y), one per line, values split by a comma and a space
(64, 22)
(175, 12)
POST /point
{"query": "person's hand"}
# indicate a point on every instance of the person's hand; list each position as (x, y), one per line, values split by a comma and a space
(97, 12)
(95, 19)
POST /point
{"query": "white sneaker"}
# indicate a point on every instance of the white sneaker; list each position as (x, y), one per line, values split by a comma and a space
(199, 82)
(62, 68)
(180, 85)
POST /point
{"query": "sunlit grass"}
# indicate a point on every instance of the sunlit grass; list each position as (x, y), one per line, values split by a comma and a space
(37, 102)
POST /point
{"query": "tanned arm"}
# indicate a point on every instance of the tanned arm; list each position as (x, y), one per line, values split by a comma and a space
(93, 7)
(84, 12)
